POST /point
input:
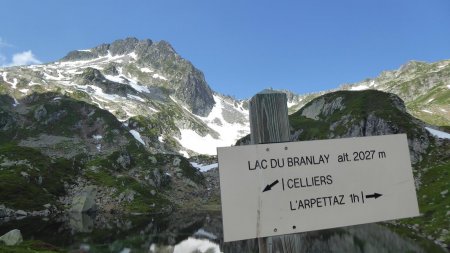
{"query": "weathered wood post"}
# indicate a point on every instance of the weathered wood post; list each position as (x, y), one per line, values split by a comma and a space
(268, 123)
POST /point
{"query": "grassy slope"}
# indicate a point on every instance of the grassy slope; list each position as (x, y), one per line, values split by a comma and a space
(434, 174)
(357, 107)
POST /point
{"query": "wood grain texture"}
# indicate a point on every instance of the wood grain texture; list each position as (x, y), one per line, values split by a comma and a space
(269, 117)
(269, 123)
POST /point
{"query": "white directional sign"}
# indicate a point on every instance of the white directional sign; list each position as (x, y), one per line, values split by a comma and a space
(283, 188)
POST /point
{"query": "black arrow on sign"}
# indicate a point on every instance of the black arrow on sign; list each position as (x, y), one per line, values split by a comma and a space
(375, 195)
(269, 186)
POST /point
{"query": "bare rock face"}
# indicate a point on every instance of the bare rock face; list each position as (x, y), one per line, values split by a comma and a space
(85, 201)
(196, 93)
(323, 108)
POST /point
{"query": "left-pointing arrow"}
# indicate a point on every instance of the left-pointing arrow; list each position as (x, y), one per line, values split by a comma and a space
(269, 186)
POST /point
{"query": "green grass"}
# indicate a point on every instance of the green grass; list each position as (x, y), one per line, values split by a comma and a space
(31, 247)
(19, 192)
(427, 245)
(432, 204)
(144, 201)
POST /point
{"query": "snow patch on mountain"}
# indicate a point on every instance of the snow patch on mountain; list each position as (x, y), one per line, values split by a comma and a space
(131, 81)
(137, 136)
(146, 70)
(158, 76)
(136, 98)
(98, 92)
(204, 168)
(229, 132)
(16, 103)
(14, 81)
(133, 55)
(97, 137)
(437, 133)
(360, 87)
(33, 83)
(200, 144)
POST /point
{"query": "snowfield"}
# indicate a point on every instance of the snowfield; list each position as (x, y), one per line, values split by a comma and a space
(229, 132)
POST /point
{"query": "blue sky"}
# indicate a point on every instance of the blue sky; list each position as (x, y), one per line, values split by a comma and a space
(241, 46)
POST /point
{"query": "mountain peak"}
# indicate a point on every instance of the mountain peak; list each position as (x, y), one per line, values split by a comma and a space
(121, 47)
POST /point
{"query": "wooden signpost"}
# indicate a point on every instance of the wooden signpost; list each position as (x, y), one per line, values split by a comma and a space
(269, 123)
(277, 187)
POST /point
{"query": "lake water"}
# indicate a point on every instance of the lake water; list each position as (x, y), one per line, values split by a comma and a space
(188, 232)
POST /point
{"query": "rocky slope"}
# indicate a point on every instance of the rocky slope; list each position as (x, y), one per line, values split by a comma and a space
(58, 153)
(145, 83)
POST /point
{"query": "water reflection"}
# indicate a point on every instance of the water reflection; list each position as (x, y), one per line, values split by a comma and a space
(81, 222)
(197, 232)
(189, 245)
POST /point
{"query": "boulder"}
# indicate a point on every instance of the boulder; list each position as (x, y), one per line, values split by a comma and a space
(21, 213)
(84, 201)
(11, 238)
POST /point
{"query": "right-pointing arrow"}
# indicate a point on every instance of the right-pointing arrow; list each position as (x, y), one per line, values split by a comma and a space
(375, 195)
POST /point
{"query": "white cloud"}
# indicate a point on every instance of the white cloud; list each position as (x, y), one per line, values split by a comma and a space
(18, 59)
(23, 58)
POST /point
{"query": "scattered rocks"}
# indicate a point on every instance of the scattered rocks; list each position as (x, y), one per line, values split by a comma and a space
(44, 213)
(21, 213)
(127, 196)
(124, 160)
(11, 238)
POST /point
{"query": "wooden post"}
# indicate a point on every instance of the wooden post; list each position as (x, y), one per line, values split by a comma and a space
(268, 123)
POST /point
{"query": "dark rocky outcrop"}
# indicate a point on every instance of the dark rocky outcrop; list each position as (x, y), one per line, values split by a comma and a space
(91, 76)
(360, 113)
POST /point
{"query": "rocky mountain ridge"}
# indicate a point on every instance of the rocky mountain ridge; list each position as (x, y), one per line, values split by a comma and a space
(425, 88)
(140, 82)
(188, 83)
